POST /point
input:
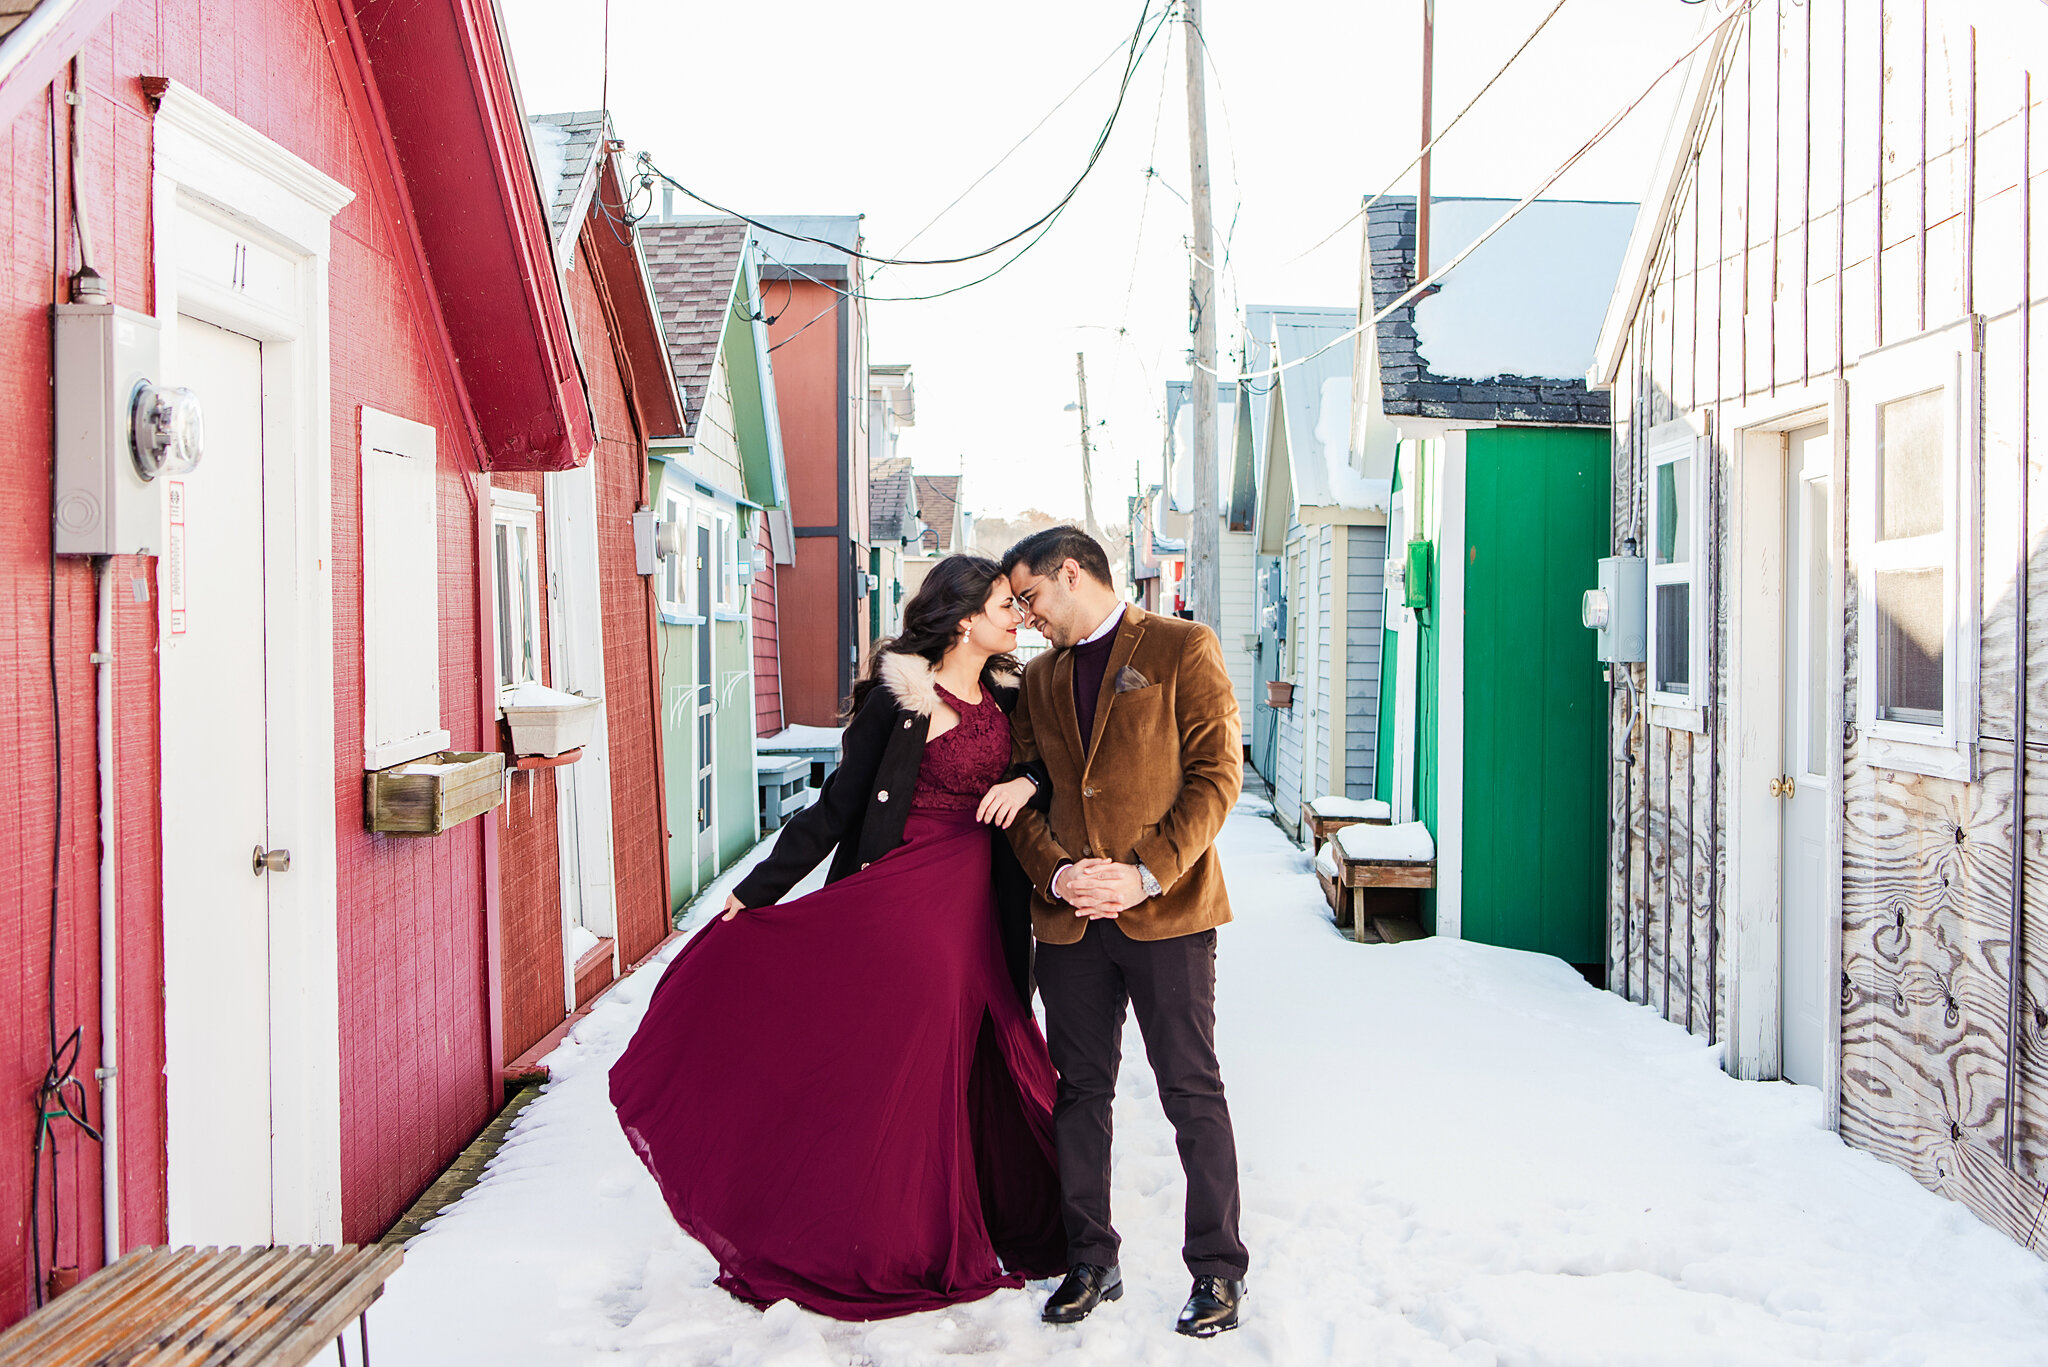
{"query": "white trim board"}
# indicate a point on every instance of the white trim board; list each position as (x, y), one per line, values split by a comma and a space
(1450, 685)
(211, 166)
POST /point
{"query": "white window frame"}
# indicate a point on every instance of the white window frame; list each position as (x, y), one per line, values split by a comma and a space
(725, 545)
(674, 586)
(512, 508)
(1667, 442)
(1947, 359)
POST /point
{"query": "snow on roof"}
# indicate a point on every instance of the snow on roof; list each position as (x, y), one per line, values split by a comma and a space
(1356, 808)
(1315, 399)
(1529, 302)
(1407, 843)
(1180, 442)
(811, 258)
(565, 153)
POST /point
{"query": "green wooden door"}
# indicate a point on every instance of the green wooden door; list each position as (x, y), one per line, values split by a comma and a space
(1536, 509)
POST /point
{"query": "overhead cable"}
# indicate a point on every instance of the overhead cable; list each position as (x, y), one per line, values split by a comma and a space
(1138, 44)
(1033, 132)
(1421, 287)
(1430, 146)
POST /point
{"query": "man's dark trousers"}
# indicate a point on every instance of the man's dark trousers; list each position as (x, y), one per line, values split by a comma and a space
(1172, 984)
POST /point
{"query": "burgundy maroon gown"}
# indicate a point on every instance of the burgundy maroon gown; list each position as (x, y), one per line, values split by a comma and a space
(841, 1096)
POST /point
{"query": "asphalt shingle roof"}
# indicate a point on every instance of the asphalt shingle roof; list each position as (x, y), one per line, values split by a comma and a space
(565, 147)
(693, 264)
(937, 497)
(892, 502)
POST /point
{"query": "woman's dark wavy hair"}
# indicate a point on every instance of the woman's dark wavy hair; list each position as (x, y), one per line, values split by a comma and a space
(957, 587)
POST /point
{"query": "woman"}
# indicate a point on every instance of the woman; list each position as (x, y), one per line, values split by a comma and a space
(843, 1097)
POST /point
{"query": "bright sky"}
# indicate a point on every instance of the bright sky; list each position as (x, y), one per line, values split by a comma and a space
(891, 108)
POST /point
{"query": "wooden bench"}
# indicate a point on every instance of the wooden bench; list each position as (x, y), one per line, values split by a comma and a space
(257, 1307)
(781, 780)
(1321, 827)
(1380, 888)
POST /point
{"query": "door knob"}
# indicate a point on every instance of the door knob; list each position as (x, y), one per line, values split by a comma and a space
(270, 861)
(1784, 787)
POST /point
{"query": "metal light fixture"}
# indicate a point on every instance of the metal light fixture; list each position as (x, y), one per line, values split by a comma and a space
(166, 434)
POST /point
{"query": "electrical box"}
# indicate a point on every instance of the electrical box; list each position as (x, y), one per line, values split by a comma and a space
(645, 557)
(103, 357)
(1618, 611)
(1415, 576)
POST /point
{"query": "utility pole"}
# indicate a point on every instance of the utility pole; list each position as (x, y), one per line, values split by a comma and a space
(1087, 452)
(1422, 189)
(1204, 569)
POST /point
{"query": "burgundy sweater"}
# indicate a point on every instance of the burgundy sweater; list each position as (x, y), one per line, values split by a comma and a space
(1091, 662)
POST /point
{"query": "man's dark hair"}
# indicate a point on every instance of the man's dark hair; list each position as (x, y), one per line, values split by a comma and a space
(1044, 552)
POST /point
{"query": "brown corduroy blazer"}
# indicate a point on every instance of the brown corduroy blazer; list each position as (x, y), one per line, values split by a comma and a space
(1162, 771)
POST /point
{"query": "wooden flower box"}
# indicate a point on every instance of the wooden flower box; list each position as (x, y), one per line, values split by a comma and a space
(431, 795)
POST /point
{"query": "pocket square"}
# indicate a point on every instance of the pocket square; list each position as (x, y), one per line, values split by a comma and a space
(1129, 680)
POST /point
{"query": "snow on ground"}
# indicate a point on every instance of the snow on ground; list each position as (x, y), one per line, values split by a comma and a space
(1451, 1154)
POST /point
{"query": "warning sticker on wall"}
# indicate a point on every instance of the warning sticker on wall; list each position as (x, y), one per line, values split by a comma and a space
(175, 495)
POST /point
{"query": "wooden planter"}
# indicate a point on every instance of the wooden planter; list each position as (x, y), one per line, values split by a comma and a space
(1279, 693)
(464, 784)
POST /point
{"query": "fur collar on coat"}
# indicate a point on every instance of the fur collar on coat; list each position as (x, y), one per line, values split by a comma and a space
(913, 681)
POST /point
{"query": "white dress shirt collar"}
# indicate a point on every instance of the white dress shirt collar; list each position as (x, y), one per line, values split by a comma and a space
(1116, 614)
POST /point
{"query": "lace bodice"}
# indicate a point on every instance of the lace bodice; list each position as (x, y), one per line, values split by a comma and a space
(964, 763)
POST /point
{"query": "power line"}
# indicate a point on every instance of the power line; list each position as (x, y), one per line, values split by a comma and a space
(1421, 287)
(1064, 100)
(1430, 146)
(1139, 43)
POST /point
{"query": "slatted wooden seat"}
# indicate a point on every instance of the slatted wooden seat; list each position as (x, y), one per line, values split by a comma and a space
(1321, 826)
(231, 1307)
(1381, 889)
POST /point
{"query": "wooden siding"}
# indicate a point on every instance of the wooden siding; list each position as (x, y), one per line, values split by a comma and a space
(767, 638)
(1319, 684)
(718, 442)
(1365, 575)
(1240, 618)
(531, 979)
(1287, 784)
(1842, 194)
(814, 591)
(627, 597)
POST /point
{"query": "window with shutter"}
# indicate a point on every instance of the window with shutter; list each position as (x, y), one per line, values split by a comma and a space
(401, 627)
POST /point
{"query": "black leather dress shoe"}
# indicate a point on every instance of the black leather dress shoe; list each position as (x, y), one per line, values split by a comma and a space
(1086, 1287)
(1211, 1307)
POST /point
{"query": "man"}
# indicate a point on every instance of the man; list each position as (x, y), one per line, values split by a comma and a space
(1136, 725)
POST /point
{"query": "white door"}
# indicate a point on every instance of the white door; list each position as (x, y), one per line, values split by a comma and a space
(1810, 635)
(215, 810)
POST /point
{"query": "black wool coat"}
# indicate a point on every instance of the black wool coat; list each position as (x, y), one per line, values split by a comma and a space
(860, 813)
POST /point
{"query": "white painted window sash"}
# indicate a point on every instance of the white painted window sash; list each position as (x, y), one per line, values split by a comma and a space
(676, 585)
(1669, 442)
(516, 511)
(1944, 361)
(725, 544)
